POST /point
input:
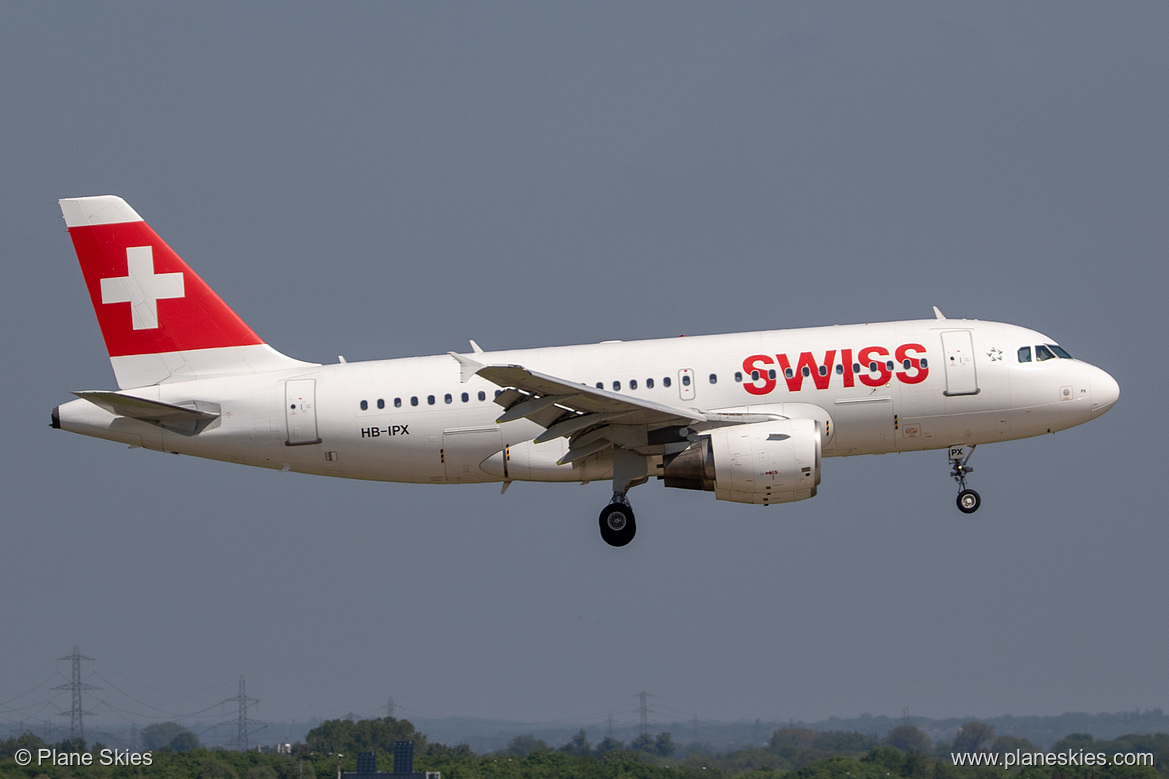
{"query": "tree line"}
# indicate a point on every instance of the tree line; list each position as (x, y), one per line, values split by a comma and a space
(905, 752)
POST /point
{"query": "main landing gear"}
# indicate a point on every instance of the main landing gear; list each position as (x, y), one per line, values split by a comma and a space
(968, 500)
(618, 525)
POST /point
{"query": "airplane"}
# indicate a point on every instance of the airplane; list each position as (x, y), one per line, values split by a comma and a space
(748, 416)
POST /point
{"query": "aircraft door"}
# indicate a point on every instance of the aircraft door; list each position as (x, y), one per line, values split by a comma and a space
(686, 383)
(463, 448)
(300, 411)
(961, 378)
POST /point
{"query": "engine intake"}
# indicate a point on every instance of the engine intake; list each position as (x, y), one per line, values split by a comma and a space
(765, 462)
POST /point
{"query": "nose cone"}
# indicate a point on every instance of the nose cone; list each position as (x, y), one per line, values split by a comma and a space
(1105, 392)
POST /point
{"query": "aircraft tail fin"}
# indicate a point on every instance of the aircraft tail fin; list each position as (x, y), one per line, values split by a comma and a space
(160, 321)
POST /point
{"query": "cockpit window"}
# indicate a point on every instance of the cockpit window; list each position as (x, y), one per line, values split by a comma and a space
(1043, 352)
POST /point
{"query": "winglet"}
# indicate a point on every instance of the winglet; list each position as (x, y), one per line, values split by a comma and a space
(468, 367)
(938, 313)
(476, 348)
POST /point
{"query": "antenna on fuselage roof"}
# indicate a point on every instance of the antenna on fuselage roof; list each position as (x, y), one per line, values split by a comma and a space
(938, 313)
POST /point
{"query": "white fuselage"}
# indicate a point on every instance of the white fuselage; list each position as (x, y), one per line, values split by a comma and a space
(876, 388)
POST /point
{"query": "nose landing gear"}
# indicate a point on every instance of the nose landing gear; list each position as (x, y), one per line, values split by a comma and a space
(968, 500)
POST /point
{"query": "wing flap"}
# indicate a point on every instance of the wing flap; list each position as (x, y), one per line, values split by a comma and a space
(573, 424)
(583, 452)
(529, 407)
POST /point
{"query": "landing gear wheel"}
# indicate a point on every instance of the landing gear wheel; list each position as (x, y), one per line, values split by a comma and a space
(618, 527)
(969, 501)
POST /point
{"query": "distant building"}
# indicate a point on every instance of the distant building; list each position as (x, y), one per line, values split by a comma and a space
(403, 765)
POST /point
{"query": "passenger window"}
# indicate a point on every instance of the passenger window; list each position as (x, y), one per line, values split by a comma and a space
(789, 373)
(381, 403)
(738, 377)
(823, 370)
(839, 370)
(482, 395)
(806, 372)
(685, 379)
(397, 402)
(1025, 354)
(600, 385)
(754, 375)
(414, 400)
(447, 398)
(925, 363)
(430, 400)
(1059, 351)
(1043, 353)
(633, 384)
(771, 374)
(616, 386)
(666, 381)
(365, 405)
(465, 397)
(649, 383)
(713, 379)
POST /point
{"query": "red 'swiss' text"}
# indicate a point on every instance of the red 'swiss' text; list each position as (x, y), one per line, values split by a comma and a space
(872, 366)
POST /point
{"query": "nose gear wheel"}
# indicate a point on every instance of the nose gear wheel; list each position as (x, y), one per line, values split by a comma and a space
(968, 500)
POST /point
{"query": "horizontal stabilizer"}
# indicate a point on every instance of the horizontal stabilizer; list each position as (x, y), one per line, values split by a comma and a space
(188, 419)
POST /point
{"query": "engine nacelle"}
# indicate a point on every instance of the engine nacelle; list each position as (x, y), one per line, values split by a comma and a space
(765, 462)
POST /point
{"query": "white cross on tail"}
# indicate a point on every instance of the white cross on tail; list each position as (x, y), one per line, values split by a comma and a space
(142, 288)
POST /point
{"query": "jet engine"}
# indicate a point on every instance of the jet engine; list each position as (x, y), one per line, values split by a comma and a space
(764, 462)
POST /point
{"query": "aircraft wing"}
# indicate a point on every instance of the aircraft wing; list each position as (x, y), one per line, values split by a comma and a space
(593, 418)
(583, 398)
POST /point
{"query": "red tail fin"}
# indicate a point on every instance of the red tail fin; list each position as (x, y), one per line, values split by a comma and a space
(160, 320)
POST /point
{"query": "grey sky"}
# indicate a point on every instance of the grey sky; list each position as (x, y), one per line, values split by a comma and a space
(382, 180)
